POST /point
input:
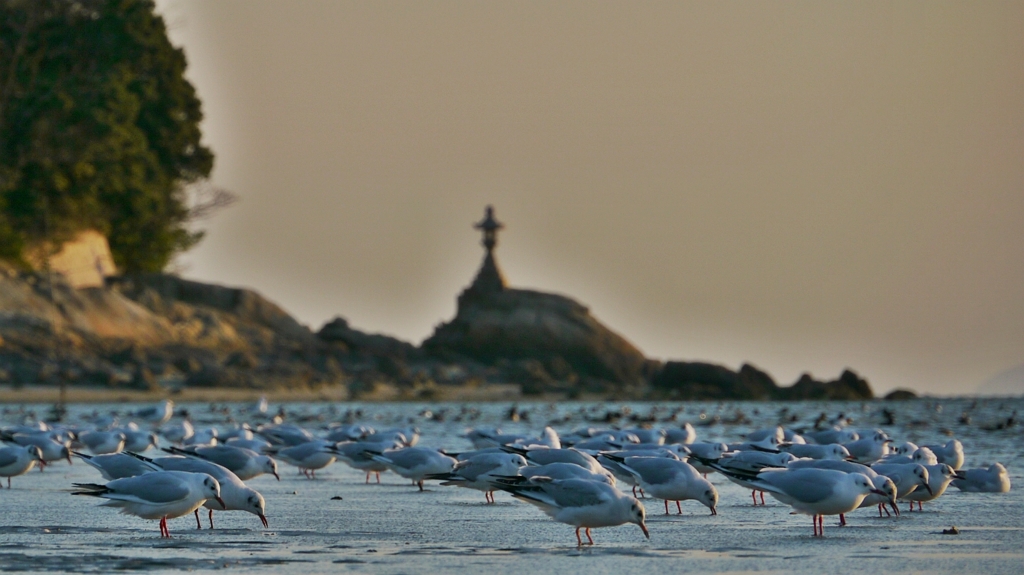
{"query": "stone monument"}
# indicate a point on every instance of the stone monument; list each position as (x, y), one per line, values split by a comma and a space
(495, 324)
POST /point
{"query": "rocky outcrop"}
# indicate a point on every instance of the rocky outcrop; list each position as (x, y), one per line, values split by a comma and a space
(510, 325)
(696, 380)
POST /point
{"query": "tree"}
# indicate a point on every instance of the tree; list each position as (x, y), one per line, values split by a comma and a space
(98, 129)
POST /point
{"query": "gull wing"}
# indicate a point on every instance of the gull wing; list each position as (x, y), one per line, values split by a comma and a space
(148, 488)
(797, 484)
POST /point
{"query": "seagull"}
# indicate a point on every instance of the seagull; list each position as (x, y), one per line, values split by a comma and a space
(482, 471)
(359, 455)
(582, 503)
(952, 453)
(308, 457)
(816, 451)
(138, 441)
(51, 449)
(743, 465)
(285, 434)
(415, 463)
(548, 438)
(612, 463)
(684, 435)
(178, 432)
(881, 482)
(102, 442)
(869, 449)
(656, 436)
(245, 463)
(19, 460)
(995, 479)
(543, 455)
(236, 495)
(671, 480)
(158, 414)
(834, 435)
(907, 476)
(816, 492)
(704, 450)
(939, 477)
(159, 495)
(921, 455)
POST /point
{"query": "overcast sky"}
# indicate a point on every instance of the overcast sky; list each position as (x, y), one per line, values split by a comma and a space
(805, 186)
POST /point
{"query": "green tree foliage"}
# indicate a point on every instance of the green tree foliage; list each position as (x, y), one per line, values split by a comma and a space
(98, 129)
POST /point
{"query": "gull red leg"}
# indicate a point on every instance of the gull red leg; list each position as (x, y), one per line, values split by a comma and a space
(211, 519)
(589, 538)
(753, 495)
(666, 507)
(679, 508)
(762, 497)
(199, 524)
(842, 520)
(378, 476)
(579, 542)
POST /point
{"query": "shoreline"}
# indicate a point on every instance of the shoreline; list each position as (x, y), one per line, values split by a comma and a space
(49, 394)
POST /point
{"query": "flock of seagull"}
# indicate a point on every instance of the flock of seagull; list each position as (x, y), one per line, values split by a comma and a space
(588, 478)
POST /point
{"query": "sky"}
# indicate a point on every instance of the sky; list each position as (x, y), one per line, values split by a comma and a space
(804, 186)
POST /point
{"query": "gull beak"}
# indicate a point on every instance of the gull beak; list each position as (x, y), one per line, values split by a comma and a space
(263, 518)
(647, 533)
(959, 474)
(278, 477)
(222, 504)
(895, 507)
(929, 488)
(879, 492)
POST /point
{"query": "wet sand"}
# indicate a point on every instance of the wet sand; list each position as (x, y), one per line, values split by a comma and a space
(393, 528)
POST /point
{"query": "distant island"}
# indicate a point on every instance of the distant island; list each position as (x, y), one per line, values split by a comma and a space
(162, 333)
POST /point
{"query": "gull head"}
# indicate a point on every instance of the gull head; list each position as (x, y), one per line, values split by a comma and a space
(638, 515)
(922, 477)
(212, 490)
(270, 466)
(256, 505)
(710, 498)
(838, 452)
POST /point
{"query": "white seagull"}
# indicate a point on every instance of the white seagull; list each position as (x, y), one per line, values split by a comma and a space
(159, 495)
(582, 503)
(817, 492)
(415, 463)
(18, 460)
(245, 463)
(995, 479)
(481, 472)
(672, 480)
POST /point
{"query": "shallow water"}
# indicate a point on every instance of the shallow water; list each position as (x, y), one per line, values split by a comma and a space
(394, 528)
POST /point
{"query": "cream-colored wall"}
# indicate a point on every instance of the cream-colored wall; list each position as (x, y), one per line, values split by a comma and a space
(85, 261)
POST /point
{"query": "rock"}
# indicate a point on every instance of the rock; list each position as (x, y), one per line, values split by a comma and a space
(900, 395)
(697, 380)
(337, 331)
(515, 324)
